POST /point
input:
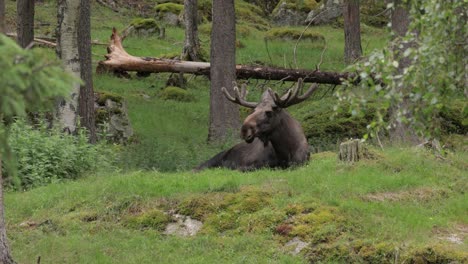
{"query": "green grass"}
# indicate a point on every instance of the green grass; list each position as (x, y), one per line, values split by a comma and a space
(65, 236)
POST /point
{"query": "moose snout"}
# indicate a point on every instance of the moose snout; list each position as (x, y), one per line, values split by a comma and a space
(248, 133)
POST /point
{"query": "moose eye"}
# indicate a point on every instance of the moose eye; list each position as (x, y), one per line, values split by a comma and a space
(269, 113)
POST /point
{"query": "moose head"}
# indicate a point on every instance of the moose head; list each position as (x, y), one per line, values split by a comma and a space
(272, 137)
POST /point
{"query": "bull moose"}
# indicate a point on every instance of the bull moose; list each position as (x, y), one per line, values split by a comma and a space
(272, 137)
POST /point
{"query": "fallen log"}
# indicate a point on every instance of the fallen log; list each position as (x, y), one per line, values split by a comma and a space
(119, 61)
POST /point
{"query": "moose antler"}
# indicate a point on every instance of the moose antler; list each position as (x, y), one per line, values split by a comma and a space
(292, 97)
(239, 96)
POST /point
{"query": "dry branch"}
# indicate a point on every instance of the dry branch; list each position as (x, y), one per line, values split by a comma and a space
(118, 60)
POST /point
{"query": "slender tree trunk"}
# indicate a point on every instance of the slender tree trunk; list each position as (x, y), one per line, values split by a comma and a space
(25, 22)
(5, 256)
(352, 31)
(224, 115)
(191, 51)
(86, 98)
(401, 132)
(67, 50)
(2, 16)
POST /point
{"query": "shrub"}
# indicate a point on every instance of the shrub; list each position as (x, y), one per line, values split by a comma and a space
(48, 155)
(176, 94)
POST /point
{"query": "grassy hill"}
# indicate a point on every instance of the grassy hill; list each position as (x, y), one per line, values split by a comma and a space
(405, 205)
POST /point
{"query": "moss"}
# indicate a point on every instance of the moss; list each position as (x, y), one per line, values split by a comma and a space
(201, 206)
(101, 116)
(170, 55)
(176, 94)
(454, 118)
(437, 254)
(154, 219)
(169, 8)
(144, 23)
(103, 96)
(285, 33)
(299, 5)
(248, 200)
(221, 222)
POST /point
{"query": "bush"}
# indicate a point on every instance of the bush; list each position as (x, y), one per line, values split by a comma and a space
(176, 94)
(144, 23)
(48, 155)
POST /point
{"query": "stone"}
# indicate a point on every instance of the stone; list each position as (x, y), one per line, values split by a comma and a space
(112, 119)
(326, 13)
(170, 19)
(184, 226)
(296, 245)
(288, 17)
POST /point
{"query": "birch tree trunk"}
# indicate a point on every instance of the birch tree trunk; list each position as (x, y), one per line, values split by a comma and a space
(352, 31)
(86, 99)
(401, 132)
(191, 51)
(224, 115)
(5, 256)
(2, 16)
(67, 50)
(25, 22)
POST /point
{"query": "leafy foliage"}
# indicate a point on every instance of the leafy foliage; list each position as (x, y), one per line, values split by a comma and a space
(436, 43)
(48, 155)
(29, 80)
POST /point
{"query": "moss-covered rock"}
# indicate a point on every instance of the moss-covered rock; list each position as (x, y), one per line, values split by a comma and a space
(169, 7)
(144, 23)
(285, 33)
(176, 94)
(299, 5)
(153, 219)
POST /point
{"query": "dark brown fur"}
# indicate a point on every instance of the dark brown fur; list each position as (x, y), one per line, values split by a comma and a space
(273, 139)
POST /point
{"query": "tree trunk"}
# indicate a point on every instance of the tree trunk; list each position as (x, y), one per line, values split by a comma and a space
(67, 50)
(191, 51)
(86, 98)
(2, 16)
(224, 115)
(352, 31)
(118, 60)
(401, 132)
(5, 256)
(25, 22)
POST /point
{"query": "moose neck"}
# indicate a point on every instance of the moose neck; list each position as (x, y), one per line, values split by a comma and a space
(289, 141)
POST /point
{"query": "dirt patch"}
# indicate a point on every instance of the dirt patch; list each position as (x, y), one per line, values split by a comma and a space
(455, 235)
(422, 194)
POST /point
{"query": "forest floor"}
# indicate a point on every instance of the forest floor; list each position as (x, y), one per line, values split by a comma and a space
(403, 206)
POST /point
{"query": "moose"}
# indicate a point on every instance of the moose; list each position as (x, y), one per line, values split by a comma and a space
(273, 139)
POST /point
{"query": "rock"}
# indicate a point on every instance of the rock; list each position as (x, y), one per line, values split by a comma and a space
(326, 13)
(143, 27)
(112, 117)
(288, 17)
(296, 245)
(170, 18)
(184, 226)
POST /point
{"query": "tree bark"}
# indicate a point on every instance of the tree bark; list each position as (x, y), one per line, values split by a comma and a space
(86, 98)
(224, 115)
(25, 22)
(352, 31)
(2, 16)
(5, 256)
(67, 50)
(401, 132)
(191, 51)
(118, 60)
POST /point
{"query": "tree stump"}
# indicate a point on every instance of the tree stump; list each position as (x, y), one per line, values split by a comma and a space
(351, 151)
